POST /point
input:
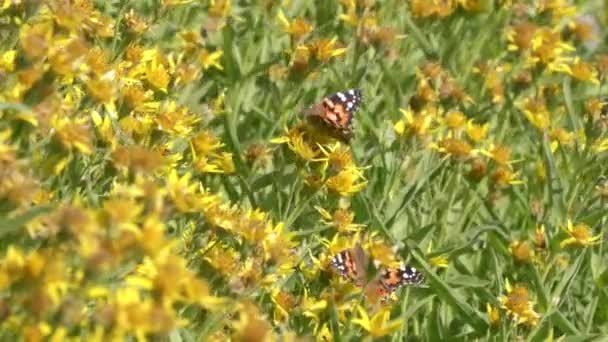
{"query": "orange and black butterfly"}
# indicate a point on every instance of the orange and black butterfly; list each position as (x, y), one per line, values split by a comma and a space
(352, 264)
(336, 111)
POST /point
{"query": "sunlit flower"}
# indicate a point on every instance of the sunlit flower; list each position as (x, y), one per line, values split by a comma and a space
(74, 134)
(283, 302)
(378, 324)
(279, 245)
(324, 334)
(477, 133)
(312, 307)
(102, 90)
(521, 35)
(223, 259)
(440, 261)
(296, 142)
(7, 61)
(220, 8)
(347, 181)
(176, 120)
(521, 251)
(549, 50)
(518, 304)
(258, 154)
(580, 235)
(300, 57)
(454, 147)
(584, 72)
(336, 156)
(251, 326)
(298, 28)
(135, 23)
(536, 112)
(499, 153)
(414, 124)
(382, 252)
(504, 176)
(455, 120)
(341, 220)
(539, 237)
(493, 314)
(326, 49)
(277, 72)
(182, 192)
(208, 60)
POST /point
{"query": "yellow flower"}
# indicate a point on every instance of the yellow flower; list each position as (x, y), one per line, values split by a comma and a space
(251, 325)
(258, 154)
(562, 137)
(417, 125)
(157, 75)
(296, 142)
(176, 120)
(504, 176)
(536, 112)
(378, 325)
(219, 8)
(224, 259)
(539, 237)
(182, 192)
(580, 235)
(102, 90)
(499, 153)
(584, 72)
(521, 251)
(493, 314)
(283, 303)
(457, 148)
(135, 23)
(278, 244)
(298, 28)
(455, 120)
(208, 60)
(440, 260)
(74, 134)
(324, 334)
(351, 12)
(341, 220)
(336, 156)
(518, 304)
(224, 162)
(312, 307)
(325, 49)
(548, 49)
(205, 143)
(7, 61)
(347, 181)
(475, 132)
(300, 58)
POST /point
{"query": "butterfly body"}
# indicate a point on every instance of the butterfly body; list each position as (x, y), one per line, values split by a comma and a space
(335, 112)
(352, 264)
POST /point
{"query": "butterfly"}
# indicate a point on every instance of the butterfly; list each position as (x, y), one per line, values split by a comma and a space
(352, 264)
(335, 112)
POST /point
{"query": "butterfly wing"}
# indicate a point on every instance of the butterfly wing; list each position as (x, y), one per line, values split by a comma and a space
(336, 112)
(392, 279)
(351, 264)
